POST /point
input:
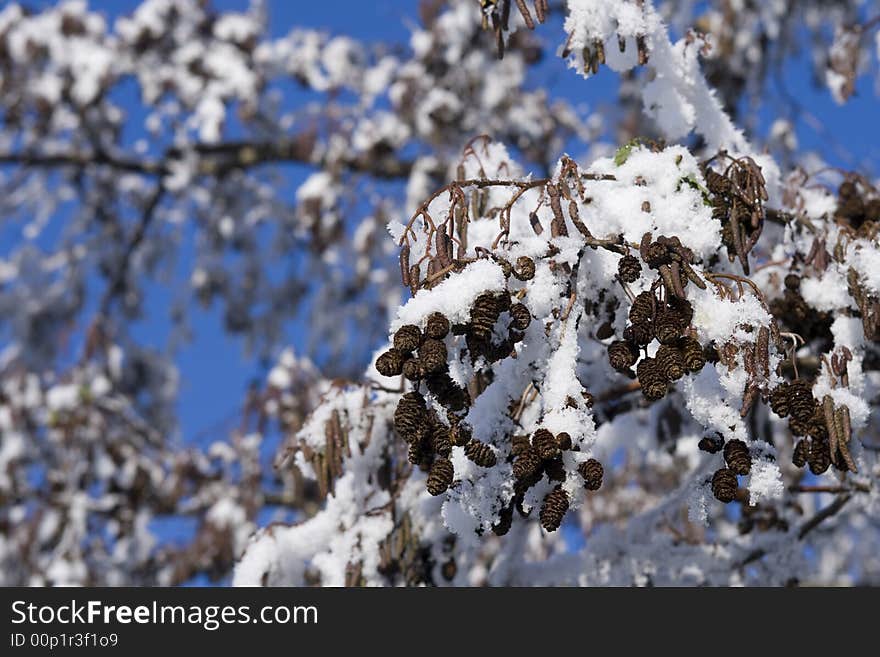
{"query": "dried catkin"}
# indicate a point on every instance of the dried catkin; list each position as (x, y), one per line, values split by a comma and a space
(480, 453)
(622, 355)
(545, 444)
(390, 363)
(521, 316)
(737, 457)
(629, 268)
(526, 464)
(410, 417)
(407, 338)
(592, 472)
(724, 485)
(801, 453)
(670, 361)
(553, 509)
(437, 326)
(432, 355)
(692, 352)
(440, 476)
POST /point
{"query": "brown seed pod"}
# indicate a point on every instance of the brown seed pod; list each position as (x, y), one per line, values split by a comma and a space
(519, 444)
(592, 472)
(432, 355)
(412, 369)
(563, 440)
(737, 457)
(553, 509)
(525, 268)
(555, 469)
(480, 453)
(545, 444)
(526, 464)
(683, 307)
(802, 405)
(622, 355)
(642, 309)
(410, 417)
(692, 352)
(484, 313)
(820, 456)
(437, 326)
(629, 268)
(415, 454)
(521, 316)
(451, 395)
(407, 338)
(605, 331)
(440, 439)
(668, 326)
(711, 444)
(639, 334)
(656, 255)
(440, 476)
(779, 399)
(792, 282)
(801, 453)
(460, 435)
(505, 521)
(653, 383)
(671, 362)
(391, 362)
(724, 485)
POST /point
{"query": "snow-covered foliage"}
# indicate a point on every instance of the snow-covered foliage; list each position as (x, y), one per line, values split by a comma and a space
(656, 363)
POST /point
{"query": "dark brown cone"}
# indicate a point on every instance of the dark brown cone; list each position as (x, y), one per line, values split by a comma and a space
(505, 520)
(711, 444)
(642, 309)
(670, 361)
(692, 352)
(480, 453)
(724, 485)
(519, 444)
(545, 444)
(592, 472)
(460, 435)
(391, 362)
(440, 476)
(437, 326)
(640, 334)
(622, 355)
(737, 457)
(432, 355)
(820, 456)
(407, 338)
(553, 509)
(412, 369)
(653, 383)
(563, 440)
(526, 464)
(802, 404)
(683, 307)
(801, 453)
(779, 399)
(410, 417)
(629, 268)
(447, 391)
(525, 268)
(555, 469)
(440, 439)
(521, 316)
(668, 326)
(415, 454)
(484, 313)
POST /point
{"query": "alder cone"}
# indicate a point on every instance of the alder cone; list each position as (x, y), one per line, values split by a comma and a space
(437, 326)
(432, 355)
(622, 355)
(440, 440)
(440, 476)
(724, 485)
(521, 316)
(526, 464)
(654, 385)
(480, 453)
(801, 454)
(484, 313)
(410, 417)
(820, 456)
(692, 352)
(737, 456)
(779, 400)
(553, 509)
(668, 326)
(407, 338)
(711, 444)
(639, 333)
(592, 472)
(519, 444)
(525, 268)
(545, 444)
(642, 309)
(563, 440)
(448, 392)
(801, 402)
(412, 369)
(629, 268)
(671, 362)
(505, 521)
